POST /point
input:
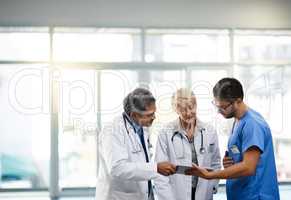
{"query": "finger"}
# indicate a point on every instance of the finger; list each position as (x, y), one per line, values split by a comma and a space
(189, 172)
(172, 171)
(228, 163)
(226, 166)
(173, 167)
(194, 166)
(166, 173)
(228, 160)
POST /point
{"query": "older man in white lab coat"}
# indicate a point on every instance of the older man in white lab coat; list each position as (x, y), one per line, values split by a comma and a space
(185, 141)
(125, 169)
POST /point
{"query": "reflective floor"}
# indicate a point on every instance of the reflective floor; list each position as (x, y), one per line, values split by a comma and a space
(285, 193)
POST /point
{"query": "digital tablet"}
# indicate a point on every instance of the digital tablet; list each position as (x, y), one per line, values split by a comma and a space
(180, 169)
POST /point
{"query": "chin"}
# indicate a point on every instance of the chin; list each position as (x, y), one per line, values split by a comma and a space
(228, 116)
(148, 124)
(190, 120)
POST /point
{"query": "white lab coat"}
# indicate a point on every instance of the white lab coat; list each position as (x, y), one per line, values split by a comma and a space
(179, 186)
(123, 173)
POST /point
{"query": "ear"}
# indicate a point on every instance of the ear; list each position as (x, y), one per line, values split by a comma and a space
(239, 100)
(133, 115)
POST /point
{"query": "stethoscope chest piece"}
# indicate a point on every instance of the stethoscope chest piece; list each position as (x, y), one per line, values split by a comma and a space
(202, 150)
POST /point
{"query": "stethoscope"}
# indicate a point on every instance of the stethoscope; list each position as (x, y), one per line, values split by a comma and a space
(202, 149)
(133, 137)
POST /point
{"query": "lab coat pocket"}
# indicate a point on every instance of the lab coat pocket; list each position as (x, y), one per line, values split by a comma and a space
(211, 148)
(117, 195)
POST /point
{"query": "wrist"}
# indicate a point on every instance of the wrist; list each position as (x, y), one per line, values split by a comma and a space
(210, 175)
(155, 166)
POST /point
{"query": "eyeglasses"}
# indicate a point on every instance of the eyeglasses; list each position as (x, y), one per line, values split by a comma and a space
(221, 108)
(146, 115)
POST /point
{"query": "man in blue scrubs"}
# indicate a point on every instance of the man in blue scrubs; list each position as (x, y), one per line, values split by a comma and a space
(249, 163)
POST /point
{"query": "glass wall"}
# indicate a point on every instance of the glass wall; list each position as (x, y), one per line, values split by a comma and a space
(25, 127)
(24, 44)
(186, 45)
(96, 45)
(77, 128)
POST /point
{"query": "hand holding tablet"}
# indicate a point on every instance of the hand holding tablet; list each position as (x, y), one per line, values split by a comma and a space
(181, 169)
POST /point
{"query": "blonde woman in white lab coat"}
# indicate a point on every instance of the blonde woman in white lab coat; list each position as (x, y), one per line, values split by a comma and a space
(185, 141)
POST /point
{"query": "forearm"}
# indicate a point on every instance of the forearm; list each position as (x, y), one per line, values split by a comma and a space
(234, 171)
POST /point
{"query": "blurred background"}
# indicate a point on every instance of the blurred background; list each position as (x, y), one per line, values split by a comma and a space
(65, 67)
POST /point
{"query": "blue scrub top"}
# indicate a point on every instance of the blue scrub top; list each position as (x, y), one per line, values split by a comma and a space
(252, 130)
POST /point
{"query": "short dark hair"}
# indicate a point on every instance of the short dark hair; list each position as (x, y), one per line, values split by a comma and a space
(228, 89)
(138, 100)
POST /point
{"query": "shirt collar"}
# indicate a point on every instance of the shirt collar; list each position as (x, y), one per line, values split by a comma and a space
(135, 125)
(178, 128)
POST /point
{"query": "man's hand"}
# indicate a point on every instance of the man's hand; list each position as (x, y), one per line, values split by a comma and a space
(227, 161)
(198, 171)
(166, 168)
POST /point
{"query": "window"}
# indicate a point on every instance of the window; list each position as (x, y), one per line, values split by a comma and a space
(24, 44)
(25, 127)
(187, 46)
(99, 45)
(77, 128)
(262, 59)
(113, 92)
(262, 46)
(164, 84)
(267, 91)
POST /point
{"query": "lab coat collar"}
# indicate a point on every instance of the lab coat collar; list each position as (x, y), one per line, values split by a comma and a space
(197, 137)
(177, 127)
(135, 126)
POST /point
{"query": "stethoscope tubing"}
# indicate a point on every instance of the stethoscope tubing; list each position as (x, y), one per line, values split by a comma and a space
(135, 144)
(202, 149)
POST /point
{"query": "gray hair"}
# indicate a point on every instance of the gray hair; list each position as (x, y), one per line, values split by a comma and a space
(138, 100)
(182, 93)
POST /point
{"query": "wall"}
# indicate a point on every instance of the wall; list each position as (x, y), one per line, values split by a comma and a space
(148, 13)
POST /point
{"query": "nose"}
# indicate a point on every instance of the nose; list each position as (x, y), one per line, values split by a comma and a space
(220, 111)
